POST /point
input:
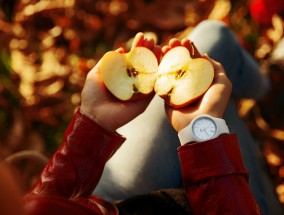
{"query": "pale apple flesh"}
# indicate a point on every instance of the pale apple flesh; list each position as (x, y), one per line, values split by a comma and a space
(129, 76)
(181, 79)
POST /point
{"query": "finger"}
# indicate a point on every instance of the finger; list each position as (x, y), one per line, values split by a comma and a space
(138, 40)
(120, 50)
(174, 43)
(165, 49)
(214, 63)
(186, 43)
(149, 43)
(215, 100)
(218, 68)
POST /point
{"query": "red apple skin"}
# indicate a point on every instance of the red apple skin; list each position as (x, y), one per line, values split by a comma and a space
(167, 100)
(136, 96)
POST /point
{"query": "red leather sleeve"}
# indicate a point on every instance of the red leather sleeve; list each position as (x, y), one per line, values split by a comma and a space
(76, 167)
(215, 179)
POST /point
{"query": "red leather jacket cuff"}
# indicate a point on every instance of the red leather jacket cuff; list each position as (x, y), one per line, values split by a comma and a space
(77, 165)
(88, 130)
(214, 158)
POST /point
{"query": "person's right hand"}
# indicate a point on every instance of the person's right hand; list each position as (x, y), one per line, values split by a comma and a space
(213, 102)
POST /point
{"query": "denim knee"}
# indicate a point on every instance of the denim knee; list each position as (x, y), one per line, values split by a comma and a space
(217, 40)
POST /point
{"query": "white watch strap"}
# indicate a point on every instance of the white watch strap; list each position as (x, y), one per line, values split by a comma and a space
(186, 135)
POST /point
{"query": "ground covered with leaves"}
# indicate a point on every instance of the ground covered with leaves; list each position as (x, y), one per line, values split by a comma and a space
(47, 48)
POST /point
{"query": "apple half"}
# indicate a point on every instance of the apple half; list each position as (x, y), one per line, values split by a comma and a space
(129, 76)
(182, 79)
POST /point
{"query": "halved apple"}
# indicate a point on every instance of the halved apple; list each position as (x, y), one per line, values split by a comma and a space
(182, 79)
(129, 76)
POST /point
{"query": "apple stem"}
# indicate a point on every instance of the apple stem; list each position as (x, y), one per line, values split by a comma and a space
(194, 52)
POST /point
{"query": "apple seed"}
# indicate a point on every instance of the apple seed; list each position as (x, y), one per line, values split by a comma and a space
(179, 74)
(132, 72)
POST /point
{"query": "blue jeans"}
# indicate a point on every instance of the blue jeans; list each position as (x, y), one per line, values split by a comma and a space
(148, 159)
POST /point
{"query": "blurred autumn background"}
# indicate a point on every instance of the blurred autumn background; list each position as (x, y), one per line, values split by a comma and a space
(47, 47)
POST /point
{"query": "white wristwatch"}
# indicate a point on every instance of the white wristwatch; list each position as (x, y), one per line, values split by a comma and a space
(203, 128)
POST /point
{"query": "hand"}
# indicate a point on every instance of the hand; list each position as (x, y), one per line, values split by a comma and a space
(213, 102)
(105, 109)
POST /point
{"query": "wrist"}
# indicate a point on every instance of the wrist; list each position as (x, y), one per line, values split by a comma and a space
(97, 118)
(202, 128)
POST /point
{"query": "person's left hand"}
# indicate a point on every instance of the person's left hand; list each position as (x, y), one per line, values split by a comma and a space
(213, 102)
(98, 104)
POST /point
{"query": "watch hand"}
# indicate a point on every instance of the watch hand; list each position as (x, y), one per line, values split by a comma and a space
(207, 127)
(205, 132)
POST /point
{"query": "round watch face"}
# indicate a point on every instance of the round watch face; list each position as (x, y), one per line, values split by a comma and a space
(204, 128)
